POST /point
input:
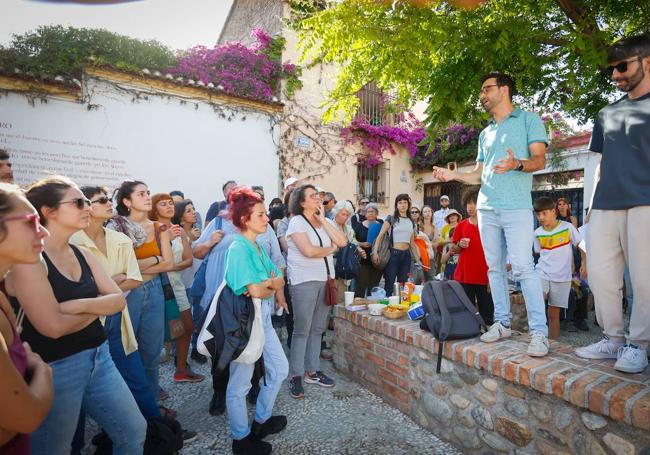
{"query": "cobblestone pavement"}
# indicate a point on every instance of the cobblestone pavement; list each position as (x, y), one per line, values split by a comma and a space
(347, 419)
(344, 420)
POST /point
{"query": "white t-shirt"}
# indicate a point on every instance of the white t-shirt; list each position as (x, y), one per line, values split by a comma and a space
(555, 252)
(301, 269)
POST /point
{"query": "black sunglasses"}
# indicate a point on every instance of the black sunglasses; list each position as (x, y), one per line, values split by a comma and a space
(327, 202)
(621, 67)
(79, 202)
(102, 200)
(415, 211)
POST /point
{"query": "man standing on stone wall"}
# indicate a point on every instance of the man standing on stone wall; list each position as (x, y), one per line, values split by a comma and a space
(510, 149)
(620, 211)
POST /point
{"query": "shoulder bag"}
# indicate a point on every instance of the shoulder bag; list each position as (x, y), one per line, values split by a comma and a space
(330, 284)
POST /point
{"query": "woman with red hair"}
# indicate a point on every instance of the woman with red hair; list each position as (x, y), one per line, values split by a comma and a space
(250, 272)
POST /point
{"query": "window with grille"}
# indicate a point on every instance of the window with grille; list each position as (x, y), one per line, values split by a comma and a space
(373, 104)
(373, 182)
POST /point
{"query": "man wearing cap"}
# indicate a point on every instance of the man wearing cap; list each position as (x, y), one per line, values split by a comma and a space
(291, 183)
(440, 215)
(510, 148)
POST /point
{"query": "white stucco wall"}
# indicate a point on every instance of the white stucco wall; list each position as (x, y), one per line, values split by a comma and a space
(162, 141)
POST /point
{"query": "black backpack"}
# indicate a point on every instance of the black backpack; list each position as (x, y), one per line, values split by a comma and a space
(449, 314)
(347, 262)
(164, 437)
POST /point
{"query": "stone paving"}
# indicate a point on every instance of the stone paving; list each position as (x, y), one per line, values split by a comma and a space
(347, 419)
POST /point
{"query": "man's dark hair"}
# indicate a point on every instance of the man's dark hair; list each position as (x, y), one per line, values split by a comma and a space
(257, 188)
(503, 80)
(633, 46)
(470, 195)
(177, 193)
(543, 203)
(223, 188)
(4, 155)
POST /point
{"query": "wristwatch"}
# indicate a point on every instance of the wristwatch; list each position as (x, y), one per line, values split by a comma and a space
(520, 167)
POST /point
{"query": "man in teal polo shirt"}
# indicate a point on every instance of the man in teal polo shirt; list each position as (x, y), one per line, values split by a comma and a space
(510, 149)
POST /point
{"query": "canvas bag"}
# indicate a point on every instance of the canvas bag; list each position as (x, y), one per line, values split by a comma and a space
(253, 350)
(449, 314)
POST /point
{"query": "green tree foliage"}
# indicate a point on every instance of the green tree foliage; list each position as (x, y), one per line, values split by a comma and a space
(57, 50)
(433, 51)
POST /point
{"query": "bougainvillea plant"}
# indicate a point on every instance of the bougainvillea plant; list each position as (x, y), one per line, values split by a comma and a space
(252, 71)
(378, 139)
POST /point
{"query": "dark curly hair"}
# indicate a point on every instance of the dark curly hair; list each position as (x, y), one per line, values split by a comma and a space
(124, 191)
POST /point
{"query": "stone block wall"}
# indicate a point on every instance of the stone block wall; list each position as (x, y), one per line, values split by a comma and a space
(494, 398)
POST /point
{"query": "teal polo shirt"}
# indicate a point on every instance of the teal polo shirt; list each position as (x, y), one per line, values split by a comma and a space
(512, 189)
(246, 265)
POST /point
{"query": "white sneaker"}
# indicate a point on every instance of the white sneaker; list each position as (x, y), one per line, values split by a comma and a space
(538, 346)
(604, 349)
(496, 332)
(631, 359)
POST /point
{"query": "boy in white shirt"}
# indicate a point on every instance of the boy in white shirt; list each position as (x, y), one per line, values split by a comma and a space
(552, 241)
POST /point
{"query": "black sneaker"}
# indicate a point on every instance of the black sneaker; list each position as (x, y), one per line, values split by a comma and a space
(295, 387)
(251, 446)
(253, 393)
(319, 378)
(189, 436)
(581, 324)
(274, 424)
(217, 404)
(198, 357)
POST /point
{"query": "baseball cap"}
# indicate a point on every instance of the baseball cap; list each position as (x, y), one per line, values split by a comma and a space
(289, 181)
(444, 196)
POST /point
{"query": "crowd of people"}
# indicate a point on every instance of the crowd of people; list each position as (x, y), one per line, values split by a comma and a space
(97, 283)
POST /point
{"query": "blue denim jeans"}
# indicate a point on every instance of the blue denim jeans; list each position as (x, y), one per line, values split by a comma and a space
(131, 370)
(197, 314)
(239, 383)
(398, 267)
(90, 382)
(509, 234)
(147, 311)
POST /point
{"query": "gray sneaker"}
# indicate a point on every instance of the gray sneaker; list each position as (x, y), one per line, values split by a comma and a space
(538, 346)
(604, 349)
(631, 359)
(496, 332)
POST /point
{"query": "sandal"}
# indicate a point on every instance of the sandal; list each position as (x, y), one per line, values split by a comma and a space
(167, 412)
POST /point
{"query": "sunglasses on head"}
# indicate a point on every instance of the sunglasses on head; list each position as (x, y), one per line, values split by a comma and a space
(79, 202)
(621, 67)
(102, 200)
(32, 218)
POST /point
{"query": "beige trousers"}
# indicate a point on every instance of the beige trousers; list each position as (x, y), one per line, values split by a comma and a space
(615, 237)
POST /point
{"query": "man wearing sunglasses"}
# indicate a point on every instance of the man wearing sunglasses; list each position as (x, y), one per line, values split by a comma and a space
(620, 209)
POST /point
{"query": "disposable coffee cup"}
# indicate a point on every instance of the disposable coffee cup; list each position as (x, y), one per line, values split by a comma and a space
(349, 298)
(393, 299)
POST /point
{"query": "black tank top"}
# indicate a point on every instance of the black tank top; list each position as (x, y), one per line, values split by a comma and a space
(51, 349)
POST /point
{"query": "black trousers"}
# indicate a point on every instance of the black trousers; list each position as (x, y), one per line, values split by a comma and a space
(479, 296)
(367, 278)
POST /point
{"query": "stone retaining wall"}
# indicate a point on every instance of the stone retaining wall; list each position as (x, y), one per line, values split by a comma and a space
(493, 397)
